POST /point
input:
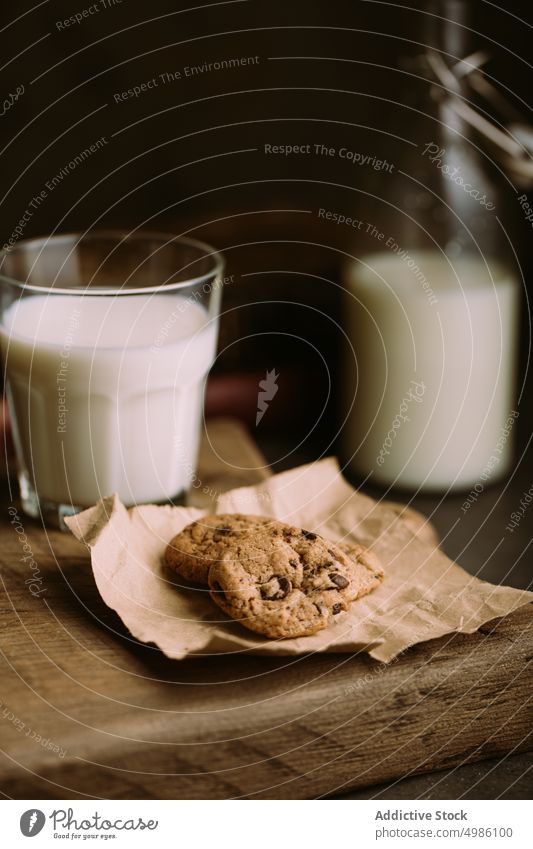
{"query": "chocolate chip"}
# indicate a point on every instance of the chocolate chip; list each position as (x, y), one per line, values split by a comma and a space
(336, 609)
(276, 589)
(220, 533)
(308, 534)
(339, 580)
(293, 563)
(285, 585)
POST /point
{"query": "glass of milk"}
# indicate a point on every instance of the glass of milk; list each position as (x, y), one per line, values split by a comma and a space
(107, 339)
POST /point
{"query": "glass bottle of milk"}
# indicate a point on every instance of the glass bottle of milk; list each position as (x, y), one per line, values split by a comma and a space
(432, 293)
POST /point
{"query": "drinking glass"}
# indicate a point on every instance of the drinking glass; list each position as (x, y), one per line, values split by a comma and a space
(107, 339)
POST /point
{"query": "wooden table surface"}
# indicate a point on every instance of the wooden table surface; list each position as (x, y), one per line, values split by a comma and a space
(86, 711)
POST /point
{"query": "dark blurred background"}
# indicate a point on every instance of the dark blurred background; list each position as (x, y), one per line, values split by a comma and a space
(187, 154)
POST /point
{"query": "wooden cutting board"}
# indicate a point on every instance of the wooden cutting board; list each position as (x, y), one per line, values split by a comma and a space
(88, 712)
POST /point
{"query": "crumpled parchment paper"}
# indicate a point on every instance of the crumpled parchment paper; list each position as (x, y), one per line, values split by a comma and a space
(424, 594)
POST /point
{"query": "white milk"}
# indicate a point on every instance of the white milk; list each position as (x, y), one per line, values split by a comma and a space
(435, 343)
(115, 393)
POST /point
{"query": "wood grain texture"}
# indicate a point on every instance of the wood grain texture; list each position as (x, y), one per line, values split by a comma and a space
(128, 723)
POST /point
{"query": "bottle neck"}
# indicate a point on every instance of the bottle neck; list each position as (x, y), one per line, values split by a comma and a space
(448, 29)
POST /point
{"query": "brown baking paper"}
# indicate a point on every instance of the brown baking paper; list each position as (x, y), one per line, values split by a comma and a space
(424, 594)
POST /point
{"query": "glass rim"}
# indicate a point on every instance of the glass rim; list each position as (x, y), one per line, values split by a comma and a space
(120, 235)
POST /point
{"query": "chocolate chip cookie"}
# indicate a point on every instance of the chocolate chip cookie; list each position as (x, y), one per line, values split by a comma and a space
(202, 543)
(283, 581)
(372, 574)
